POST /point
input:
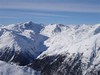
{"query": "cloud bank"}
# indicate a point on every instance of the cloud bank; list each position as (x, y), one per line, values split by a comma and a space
(52, 6)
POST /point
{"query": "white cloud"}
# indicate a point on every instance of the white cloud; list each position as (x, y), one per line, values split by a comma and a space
(46, 14)
(53, 6)
(30, 14)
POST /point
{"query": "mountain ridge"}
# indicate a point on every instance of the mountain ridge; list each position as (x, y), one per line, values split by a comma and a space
(53, 49)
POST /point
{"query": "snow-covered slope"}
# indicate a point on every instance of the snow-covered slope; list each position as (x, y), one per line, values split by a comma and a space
(77, 46)
(70, 36)
(8, 69)
(21, 43)
(53, 49)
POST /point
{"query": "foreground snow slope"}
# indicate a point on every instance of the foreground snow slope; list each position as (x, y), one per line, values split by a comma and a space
(8, 69)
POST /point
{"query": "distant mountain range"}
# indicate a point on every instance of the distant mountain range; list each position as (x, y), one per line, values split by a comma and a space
(54, 49)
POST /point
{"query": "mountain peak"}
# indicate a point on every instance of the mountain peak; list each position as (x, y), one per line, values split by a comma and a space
(65, 49)
(29, 22)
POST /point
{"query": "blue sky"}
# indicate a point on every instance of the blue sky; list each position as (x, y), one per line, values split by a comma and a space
(50, 11)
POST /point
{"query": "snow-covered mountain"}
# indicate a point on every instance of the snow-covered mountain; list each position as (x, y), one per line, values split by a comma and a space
(53, 49)
(21, 43)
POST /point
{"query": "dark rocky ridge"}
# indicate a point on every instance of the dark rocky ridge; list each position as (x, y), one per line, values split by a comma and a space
(62, 65)
(9, 55)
